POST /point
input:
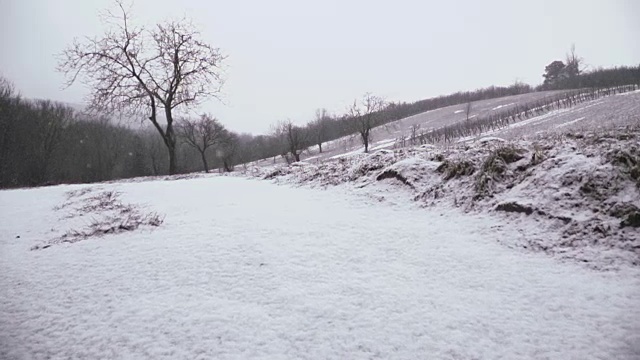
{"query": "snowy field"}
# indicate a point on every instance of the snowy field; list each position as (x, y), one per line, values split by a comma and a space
(245, 269)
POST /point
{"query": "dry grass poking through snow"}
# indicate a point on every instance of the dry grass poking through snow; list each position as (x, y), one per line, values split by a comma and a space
(105, 212)
(575, 195)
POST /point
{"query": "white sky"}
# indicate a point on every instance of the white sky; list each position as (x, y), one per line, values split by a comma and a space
(288, 58)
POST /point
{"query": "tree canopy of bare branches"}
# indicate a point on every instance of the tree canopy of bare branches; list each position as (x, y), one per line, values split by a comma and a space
(294, 139)
(141, 71)
(574, 64)
(297, 138)
(318, 128)
(228, 150)
(365, 115)
(201, 134)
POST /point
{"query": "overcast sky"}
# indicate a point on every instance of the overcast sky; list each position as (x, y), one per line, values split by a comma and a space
(287, 58)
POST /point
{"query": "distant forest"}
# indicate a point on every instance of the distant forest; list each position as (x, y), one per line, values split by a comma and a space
(43, 142)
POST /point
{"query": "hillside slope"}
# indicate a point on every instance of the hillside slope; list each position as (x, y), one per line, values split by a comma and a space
(610, 111)
(606, 111)
(576, 195)
(385, 136)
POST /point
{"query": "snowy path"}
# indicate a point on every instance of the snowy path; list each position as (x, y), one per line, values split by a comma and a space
(246, 269)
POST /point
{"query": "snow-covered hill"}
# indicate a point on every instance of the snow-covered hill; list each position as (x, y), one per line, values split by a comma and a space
(603, 112)
(576, 195)
(570, 176)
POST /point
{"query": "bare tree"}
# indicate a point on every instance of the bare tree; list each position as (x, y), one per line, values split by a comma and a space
(296, 139)
(246, 149)
(414, 134)
(137, 71)
(228, 150)
(467, 109)
(318, 128)
(201, 134)
(365, 116)
(289, 140)
(279, 138)
(574, 64)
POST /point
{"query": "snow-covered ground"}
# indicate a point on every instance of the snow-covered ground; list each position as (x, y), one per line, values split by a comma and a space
(246, 269)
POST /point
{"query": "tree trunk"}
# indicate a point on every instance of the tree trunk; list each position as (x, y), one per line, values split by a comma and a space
(172, 159)
(365, 141)
(170, 140)
(204, 161)
(296, 155)
(320, 146)
(227, 166)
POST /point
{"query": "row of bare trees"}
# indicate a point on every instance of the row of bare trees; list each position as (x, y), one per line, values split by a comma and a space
(43, 142)
(30, 133)
(573, 73)
(361, 117)
(37, 136)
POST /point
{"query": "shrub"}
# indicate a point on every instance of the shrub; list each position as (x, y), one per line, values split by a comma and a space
(494, 169)
(537, 156)
(509, 154)
(111, 217)
(456, 169)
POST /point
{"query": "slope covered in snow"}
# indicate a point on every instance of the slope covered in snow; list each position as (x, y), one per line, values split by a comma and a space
(607, 111)
(246, 269)
(577, 196)
(385, 136)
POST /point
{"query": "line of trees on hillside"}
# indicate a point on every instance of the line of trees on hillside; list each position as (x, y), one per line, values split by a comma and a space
(597, 78)
(572, 73)
(43, 142)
